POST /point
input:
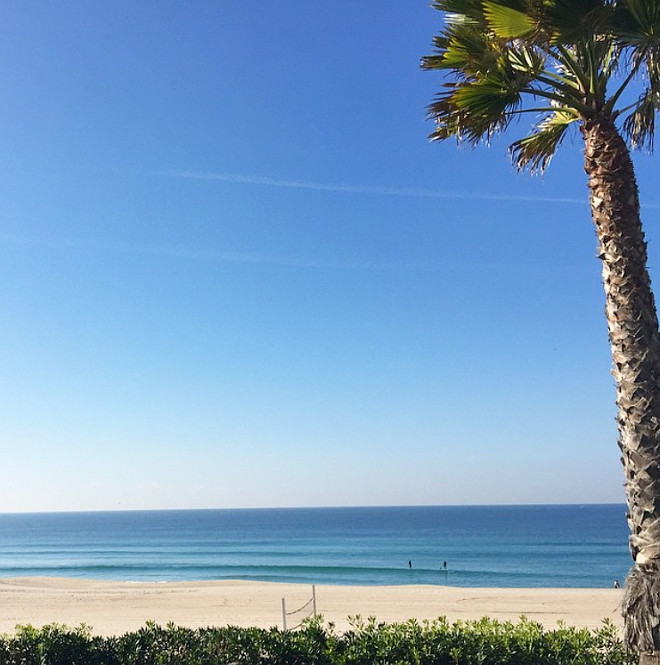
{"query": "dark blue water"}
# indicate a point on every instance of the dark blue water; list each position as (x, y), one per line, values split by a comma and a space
(491, 546)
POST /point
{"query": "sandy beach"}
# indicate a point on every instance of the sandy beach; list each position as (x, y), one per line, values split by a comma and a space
(111, 608)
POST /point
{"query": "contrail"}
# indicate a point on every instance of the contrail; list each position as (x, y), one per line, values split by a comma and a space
(415, 192)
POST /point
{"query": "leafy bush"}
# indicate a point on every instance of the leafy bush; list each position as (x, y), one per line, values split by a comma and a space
(56, 645)
(484, 642)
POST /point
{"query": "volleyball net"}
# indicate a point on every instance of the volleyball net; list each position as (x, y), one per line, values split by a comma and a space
(305, 611)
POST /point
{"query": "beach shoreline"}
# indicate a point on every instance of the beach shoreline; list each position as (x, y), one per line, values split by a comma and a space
(113, 608)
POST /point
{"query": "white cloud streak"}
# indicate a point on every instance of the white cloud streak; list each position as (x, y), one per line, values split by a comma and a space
(414, 192)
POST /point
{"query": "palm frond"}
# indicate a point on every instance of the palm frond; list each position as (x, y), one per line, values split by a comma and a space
(507, 22)
(636, 27)
(490, 97)
(639, 126)
(637, 23)
(535, 151)
(463, 49)
(468, 8)
(525, 60)
(575, 20)
(473, 110)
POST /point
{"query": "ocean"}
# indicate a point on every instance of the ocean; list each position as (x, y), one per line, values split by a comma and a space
(482, 546)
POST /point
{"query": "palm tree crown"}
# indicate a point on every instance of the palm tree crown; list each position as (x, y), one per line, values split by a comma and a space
(574, 60)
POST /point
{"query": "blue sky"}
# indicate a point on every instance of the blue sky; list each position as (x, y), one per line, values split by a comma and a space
(235, 273)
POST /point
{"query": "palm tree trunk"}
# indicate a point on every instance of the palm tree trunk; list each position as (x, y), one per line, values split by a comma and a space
(635, 342)
(649, 658)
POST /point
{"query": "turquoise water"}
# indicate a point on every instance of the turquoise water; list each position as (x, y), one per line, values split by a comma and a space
(485, 546)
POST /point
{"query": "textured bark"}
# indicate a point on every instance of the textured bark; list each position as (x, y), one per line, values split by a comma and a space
(635, 342)
(641, 610)
(649, 659)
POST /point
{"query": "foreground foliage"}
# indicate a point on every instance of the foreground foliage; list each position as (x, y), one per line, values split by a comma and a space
(484, 642)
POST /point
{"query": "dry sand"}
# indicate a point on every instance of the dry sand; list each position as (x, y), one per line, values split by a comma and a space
(112, 608)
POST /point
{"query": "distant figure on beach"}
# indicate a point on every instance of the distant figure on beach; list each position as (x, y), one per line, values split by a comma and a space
(616, 584)
(409, 564)
(444, 565)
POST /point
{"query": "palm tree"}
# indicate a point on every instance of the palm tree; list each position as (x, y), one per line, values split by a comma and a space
(592, 65)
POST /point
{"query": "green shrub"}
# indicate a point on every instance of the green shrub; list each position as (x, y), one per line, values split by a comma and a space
(483, 642)
(55, 645)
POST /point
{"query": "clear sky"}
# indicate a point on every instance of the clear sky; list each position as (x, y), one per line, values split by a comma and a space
(235, 273)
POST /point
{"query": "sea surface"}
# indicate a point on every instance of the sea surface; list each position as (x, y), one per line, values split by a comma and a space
(483, 546)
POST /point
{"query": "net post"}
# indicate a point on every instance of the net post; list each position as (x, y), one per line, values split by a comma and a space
(314, 599)
(284, 613)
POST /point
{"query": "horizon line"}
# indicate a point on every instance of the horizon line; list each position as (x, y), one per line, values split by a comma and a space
(359, 507)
